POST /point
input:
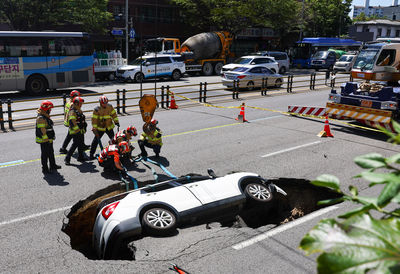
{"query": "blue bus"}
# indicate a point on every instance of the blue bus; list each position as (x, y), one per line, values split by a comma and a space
(304, 49)
(37, 61)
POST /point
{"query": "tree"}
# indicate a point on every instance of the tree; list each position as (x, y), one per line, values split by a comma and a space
(326, 18)
(236, 15)
(92, 15)
(362, 17)
(361, 243)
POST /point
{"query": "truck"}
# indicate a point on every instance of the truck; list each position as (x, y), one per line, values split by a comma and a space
(106, 63)
(204, 53)
(375, 101)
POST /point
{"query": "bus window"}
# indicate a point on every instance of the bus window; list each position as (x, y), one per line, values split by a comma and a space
(386, 58)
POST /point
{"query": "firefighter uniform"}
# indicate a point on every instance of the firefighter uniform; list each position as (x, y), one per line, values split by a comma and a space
(125, 136)
(77, 129)
(110, 157)
(103, 121)
(151, 137)
(45, 136)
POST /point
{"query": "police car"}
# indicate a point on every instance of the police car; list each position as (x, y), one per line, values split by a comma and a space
(151, 66)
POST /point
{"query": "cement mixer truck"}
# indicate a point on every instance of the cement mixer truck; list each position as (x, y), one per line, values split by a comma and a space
(205, 52)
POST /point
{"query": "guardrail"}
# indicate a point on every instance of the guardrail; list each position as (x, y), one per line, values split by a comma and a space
(125, 99)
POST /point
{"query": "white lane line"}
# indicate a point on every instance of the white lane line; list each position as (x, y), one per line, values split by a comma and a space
(282, 228)
(35, 215)
(13, 163)
(290, 149)
(267, 118)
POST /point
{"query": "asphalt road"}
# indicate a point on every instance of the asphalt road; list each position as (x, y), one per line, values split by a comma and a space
(195, 138)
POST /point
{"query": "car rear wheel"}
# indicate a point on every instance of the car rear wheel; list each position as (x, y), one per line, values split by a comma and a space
(159, 221)
(207, 69)
(250, 85)
(176, 75)
(278, 83)
(139, 77)
(258, 192)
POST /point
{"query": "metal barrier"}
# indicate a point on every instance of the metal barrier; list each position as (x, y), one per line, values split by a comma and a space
(202, 92)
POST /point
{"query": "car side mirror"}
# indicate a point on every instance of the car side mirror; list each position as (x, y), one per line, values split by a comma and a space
(211, 173)
(147, 64)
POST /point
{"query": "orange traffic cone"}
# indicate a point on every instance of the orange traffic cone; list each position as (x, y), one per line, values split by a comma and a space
(241, 115)
(173, 105)
(327, 131)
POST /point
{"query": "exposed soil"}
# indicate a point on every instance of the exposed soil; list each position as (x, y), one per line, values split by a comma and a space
(302, 199)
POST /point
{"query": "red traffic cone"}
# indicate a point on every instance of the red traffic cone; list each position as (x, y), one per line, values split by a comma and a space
(178, 269)
(173, 105)
(241, 115)
(327, 131)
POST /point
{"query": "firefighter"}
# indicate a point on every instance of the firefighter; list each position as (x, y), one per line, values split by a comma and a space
(151, 137)
(109, 158)
(103, 120)
(45, 136)
(77, 129)
(125, 135)
(67, 107)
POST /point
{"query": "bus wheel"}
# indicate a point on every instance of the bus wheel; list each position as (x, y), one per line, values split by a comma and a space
(36, 85)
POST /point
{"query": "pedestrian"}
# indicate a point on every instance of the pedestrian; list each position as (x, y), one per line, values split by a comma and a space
(109, 158)
(45, 136)
(77, 129)
(104, 119)
(151, 137)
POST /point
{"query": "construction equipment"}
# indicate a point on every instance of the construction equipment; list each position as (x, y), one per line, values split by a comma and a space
(205, 52)
(372, 103)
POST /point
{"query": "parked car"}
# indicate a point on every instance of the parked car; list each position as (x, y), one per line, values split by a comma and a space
(159, 208)
(251, 76)
(268, 62)
(323, 60)
(281, 57)
(345, 63)
(150, 66)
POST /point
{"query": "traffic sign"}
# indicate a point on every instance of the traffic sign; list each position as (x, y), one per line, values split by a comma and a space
(117, 32)
(132, 33)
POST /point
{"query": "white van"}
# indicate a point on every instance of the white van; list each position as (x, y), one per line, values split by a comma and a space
(151, 66)
(281, 57)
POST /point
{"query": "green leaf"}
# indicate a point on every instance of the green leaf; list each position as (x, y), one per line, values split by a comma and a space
(357, 245)
(380, 178)
(390, 191)
(328, 181)
(393, 159)
(396, 199)
(396, 126)
(363, 209)
(372, 160)
(353, 190)
(330, 201)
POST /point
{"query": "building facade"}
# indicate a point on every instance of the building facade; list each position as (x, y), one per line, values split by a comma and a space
(380, 28)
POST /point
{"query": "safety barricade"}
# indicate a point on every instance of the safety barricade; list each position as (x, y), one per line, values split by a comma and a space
(18, 114)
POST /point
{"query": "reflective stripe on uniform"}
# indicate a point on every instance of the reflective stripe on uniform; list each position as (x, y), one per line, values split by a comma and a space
(41, 125)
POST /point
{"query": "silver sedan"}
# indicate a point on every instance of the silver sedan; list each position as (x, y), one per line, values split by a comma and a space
(251, 76)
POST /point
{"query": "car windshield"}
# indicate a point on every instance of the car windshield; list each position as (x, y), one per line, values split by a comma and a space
(137, 62)
(240, 69)
(320, 54)
(366, 59)
(242, 60)
(346, 58)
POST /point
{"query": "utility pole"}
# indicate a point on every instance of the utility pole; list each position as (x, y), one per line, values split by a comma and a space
(126, 30)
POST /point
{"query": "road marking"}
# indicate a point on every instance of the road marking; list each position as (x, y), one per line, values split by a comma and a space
(282, 228)
(267, 118)
(35, 215)
(13, 163)
(290, 149)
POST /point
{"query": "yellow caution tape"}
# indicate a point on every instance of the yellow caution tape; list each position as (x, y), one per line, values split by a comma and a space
(282, 112)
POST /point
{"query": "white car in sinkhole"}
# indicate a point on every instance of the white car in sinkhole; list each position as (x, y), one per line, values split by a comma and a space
(160, 208)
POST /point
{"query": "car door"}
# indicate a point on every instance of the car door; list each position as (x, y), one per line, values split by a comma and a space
(256, 75)
(212, 190)
(164, 66)
(149, 68)
(269, 75)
